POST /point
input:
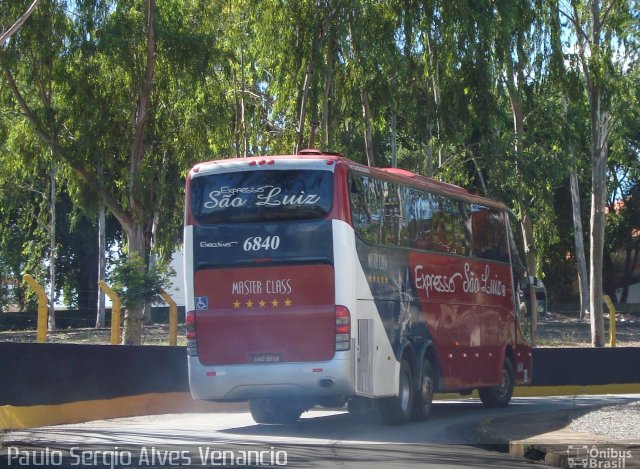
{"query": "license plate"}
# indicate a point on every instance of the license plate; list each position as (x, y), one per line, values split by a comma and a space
(266, 357)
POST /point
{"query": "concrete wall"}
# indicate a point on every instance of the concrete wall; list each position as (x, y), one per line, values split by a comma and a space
(43, 384)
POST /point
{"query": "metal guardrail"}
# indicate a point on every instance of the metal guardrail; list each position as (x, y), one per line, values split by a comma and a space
(116, 312)
(173, 318)
(612, 320)
(43, 307)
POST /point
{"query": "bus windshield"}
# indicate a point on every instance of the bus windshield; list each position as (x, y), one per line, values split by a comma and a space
(262, 195)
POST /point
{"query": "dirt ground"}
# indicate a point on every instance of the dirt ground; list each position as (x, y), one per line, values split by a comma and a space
(156, 334)
(554, 330)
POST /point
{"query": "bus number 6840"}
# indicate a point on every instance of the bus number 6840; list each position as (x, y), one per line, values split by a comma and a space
(257, 243)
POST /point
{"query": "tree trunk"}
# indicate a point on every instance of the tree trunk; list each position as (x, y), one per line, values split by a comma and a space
(52, 250)
(238, 125)
(6, 35)
(532, 271)
(525, 211)
(302, 115)
(137, 243)
(394, 136)
(481, 179)
(428, 166)
(102, 253)
(328, 86)
(598, 196)
(368, 132)
(581, 261)
(102, 265)
(135, 226)
(364, 96)
(243, 108)
(87, 277)
(437, 98)
(600, 127)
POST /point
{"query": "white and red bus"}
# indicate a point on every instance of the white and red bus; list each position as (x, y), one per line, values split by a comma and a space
(314, 280)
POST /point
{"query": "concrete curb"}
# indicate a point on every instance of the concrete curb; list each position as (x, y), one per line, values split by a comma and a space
(21, 417)
(29, 416)
(547, 438)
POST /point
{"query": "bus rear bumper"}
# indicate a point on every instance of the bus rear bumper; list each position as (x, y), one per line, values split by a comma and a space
(313, 380)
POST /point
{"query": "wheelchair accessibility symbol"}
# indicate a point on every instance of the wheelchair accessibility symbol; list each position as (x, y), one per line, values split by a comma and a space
(202, 302)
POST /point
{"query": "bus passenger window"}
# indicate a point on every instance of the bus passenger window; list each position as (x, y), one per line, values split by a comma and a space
(366, 208)
(489, 234)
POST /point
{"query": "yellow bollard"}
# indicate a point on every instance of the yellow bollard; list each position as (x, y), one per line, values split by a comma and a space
(612, 320)
(116, 307)
(173, 318)
(43, 307)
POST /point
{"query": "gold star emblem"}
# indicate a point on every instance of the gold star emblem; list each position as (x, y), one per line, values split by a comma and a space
(287, 302)
(262, 303)
(249, 304)
(236, 304)
(275, 303)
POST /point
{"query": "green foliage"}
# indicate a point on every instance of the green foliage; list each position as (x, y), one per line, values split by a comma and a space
(229, 80)
(138, 284)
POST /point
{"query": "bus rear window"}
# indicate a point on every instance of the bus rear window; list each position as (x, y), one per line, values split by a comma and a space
(262, 195)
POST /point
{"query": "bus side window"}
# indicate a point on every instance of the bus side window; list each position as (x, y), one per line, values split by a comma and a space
(366, 208)
(466, 237)
(360, 214)
(489, 234)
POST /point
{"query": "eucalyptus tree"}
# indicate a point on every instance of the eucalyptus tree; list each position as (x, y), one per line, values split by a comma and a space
(135, 87)
(43, 85)
(5, 34)
(24, 213)
(605, 31)
(524, 52)
(567, 81)
(622, 240)
(285, 40)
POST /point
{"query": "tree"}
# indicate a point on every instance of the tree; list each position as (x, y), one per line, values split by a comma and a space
(623, 235)
(598, 25)
(6, 35)
(108, 67)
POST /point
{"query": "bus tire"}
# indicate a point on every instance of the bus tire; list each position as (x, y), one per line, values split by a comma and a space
(275, 411)
(423, 399)
(397, 410)
(500, 395)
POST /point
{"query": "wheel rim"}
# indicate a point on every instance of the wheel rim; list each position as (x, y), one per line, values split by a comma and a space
(427, 392)
(503, 388)
(405, 392)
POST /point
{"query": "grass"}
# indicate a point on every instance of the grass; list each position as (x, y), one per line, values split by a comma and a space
(553, 331)
(154, 334)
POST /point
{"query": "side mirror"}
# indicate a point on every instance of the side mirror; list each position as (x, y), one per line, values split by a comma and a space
(534, 286)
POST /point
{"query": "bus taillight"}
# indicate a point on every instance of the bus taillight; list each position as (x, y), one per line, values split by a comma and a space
(190, 323)
(343, 328)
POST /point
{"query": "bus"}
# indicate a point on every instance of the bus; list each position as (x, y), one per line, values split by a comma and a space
(314, 280)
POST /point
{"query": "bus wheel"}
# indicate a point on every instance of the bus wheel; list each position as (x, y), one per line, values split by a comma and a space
(424, 395)
(274, 411)
(397, 410)
(500, 395)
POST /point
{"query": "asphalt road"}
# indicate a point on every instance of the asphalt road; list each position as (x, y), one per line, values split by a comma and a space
(322, 438)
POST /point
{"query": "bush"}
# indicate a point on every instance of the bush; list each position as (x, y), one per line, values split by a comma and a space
(136, 284)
